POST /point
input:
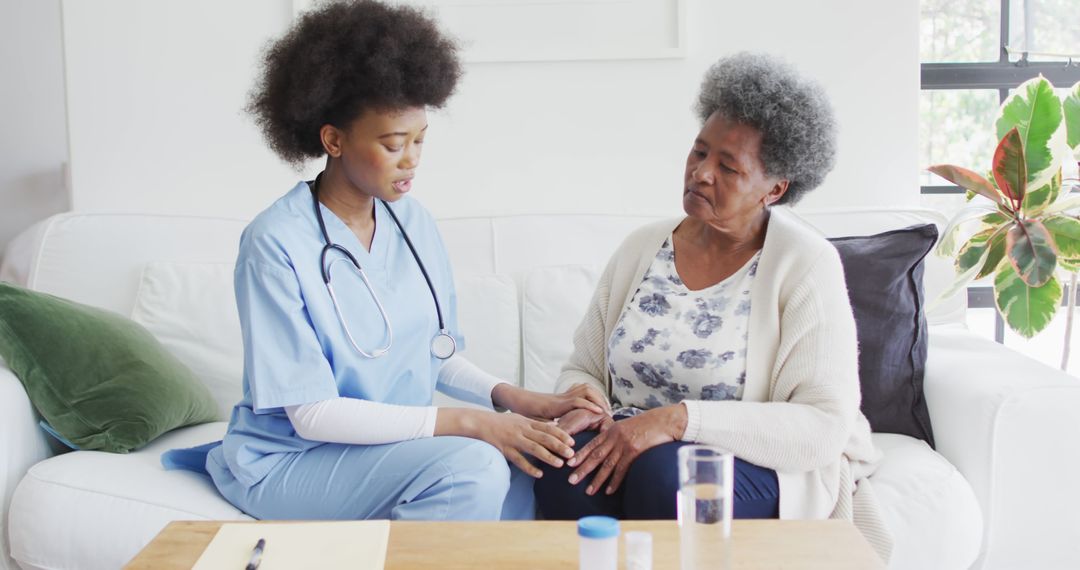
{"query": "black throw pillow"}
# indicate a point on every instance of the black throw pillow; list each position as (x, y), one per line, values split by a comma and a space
(884, 275)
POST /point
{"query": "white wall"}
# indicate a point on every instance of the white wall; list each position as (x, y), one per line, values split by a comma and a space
(33, 134)
(155, 97)
(156, 89)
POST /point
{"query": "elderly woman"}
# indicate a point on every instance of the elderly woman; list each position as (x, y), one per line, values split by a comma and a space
(729, 327)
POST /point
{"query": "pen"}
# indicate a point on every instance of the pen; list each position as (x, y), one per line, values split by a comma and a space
(256, 555)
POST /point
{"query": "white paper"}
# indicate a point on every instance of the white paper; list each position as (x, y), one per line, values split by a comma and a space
(346, 544)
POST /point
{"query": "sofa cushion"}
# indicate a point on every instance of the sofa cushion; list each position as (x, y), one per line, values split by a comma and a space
(552, 303)
(100, 380)
(928, 506)
(106, 507)
(488, 317)
(884, 275)
(939, 272)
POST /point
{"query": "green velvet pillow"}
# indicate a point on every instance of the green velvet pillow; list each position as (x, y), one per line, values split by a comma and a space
(100, 380)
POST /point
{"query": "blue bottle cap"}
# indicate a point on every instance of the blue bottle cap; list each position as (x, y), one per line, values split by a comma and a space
(597, 527)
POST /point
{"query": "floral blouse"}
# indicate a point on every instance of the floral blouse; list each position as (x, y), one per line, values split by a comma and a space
(672, 344)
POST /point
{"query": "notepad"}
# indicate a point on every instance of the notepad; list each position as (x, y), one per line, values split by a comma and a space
(346, 544)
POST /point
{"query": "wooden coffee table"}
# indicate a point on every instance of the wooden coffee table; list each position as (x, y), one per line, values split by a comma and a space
(825, 545)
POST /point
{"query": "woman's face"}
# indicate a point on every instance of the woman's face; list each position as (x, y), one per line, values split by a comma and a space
(725, 182)
(380, 151)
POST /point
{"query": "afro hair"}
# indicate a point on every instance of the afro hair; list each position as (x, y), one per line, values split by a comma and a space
(343, 59)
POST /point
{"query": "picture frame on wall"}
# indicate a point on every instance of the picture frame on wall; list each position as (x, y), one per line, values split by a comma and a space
(557, 30)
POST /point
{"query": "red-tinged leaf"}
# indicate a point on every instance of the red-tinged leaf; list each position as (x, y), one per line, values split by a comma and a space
(968, 180)
(1031, 252)
(1010, 170)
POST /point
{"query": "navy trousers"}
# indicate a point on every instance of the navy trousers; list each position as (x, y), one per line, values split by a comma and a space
(649, 489)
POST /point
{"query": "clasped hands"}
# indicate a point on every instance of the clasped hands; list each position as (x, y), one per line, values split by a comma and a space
(530, 429)
(618, 444)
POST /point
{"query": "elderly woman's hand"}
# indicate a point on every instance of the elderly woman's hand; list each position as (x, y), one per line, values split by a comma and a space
(579, 420)
(550, 406)
(615, 448)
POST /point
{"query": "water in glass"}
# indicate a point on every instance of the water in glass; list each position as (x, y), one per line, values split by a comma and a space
(705, 507)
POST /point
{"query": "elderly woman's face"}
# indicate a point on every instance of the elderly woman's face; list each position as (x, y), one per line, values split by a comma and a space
(725, 179)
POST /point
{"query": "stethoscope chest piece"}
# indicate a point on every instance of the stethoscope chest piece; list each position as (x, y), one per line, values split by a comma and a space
(443, 345)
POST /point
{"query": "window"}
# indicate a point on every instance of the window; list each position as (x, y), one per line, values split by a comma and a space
(973, 53)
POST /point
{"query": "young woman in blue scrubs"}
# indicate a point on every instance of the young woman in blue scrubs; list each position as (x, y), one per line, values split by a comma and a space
(336, 420)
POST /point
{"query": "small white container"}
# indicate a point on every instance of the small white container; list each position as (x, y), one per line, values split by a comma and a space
(598, 539)
(638, 550)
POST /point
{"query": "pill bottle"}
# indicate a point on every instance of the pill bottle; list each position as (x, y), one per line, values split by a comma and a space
(638, 550)
(598, 539)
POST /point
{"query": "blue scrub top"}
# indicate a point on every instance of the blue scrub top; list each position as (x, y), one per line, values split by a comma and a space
(295, 349)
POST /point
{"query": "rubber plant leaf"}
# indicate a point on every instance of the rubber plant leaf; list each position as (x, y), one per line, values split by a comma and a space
(968, 180)
(995, 219)
(1070, 265)
(1010, 170)
(1071, 107)
(972, 252)
(1026, 309)
(1035, 201)
(1066, 232)
(994, 254)
(961, 281)
(947, 245)
(1063, 205)
(1034, 109)
(1031, 252)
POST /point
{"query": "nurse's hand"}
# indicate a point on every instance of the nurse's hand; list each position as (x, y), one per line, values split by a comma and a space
(516, 436)
(550, 406)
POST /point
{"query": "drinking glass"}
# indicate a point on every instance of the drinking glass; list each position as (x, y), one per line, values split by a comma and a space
(706, 480)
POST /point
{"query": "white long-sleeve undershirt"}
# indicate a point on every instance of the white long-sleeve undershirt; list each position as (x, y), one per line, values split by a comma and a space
(364, 422)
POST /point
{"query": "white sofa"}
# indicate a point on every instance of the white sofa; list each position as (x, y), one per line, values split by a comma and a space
(999, 492)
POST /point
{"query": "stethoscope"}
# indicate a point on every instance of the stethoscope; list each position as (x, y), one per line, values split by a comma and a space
(443, 345)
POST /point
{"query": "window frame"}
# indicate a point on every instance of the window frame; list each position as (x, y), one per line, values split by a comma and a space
(1001, 75)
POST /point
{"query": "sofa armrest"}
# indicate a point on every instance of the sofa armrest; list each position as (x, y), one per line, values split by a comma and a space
(22, 444)
(1011, 426)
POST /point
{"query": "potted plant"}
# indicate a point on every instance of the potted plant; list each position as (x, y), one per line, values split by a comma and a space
(1026, 230)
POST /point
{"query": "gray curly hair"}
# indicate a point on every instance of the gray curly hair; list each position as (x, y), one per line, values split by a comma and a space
(798, 130)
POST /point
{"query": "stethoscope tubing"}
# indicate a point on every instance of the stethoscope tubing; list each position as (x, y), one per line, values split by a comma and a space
(443, 345)
(341, 318)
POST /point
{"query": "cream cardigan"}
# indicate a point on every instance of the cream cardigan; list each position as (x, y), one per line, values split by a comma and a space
(799, 414)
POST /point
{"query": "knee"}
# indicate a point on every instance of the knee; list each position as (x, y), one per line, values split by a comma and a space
(481, 466)
(553, 480)
(463, 479)
(652, 484)
(656, 469)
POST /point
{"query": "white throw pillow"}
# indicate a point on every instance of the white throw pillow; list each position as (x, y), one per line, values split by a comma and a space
(191, 309)
(553, 302)
(488, 317)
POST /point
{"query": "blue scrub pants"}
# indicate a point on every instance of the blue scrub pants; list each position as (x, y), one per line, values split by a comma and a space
(435, 478)
(649, 489)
